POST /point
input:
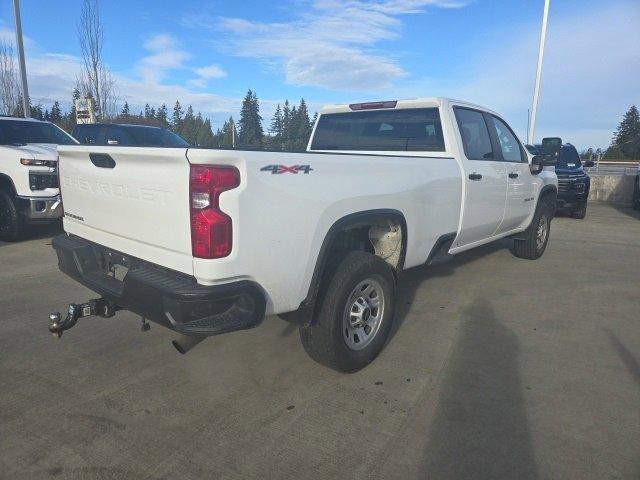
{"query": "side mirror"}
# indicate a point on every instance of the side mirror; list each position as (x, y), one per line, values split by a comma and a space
(551, 145)
(537, 164)
(588, 164)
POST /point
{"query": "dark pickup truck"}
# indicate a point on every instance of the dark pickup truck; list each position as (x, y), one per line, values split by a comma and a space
(573, 181)
(127, 135)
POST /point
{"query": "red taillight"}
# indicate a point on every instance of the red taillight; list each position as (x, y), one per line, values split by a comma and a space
(211, 229)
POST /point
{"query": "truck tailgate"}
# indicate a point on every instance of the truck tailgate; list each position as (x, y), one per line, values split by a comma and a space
(131, 199)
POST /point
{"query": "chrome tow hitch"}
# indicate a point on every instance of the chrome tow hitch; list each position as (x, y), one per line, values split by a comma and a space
(99, 307)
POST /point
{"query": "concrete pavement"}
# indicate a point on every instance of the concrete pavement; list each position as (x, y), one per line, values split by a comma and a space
(498, 368)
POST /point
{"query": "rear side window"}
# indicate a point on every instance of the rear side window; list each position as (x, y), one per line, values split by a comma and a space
(509, 144)
(87, 134)
(410, 129)
(474, 133)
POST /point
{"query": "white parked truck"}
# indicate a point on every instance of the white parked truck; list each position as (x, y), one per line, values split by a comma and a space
(210, 241)
(28, 177)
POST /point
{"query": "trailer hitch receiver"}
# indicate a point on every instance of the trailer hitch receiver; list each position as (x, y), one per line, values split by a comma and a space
(100, 307)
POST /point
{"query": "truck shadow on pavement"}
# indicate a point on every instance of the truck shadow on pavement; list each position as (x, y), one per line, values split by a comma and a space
(627, 358)
(411, 279)
(480, 428)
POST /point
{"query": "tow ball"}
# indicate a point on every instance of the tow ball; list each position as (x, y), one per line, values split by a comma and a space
(99, 307)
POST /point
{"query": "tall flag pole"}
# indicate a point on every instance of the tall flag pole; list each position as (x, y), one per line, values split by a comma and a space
(536, 88)
(23, 69)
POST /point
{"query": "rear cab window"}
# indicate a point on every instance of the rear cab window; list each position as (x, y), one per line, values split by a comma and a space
(397, 130)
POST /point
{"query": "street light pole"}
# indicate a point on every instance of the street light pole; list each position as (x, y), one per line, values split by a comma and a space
(23, 68)
(536, 88)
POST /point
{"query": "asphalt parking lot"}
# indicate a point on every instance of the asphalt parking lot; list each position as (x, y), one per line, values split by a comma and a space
(498, 368)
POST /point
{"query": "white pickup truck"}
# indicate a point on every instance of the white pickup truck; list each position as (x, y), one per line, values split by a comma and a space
(210, 241)
(28, 178)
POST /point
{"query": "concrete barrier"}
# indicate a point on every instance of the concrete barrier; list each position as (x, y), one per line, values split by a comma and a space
(611, 188)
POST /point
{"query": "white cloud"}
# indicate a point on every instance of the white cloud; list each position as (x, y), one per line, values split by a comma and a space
(204, 74)
(165, 54)
(331, 45)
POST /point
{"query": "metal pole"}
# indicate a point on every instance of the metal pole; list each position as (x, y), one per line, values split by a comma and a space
(536, 88)
(23, 68)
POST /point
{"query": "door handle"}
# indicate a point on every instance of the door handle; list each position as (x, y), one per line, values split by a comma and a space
(475, 176)
(513, 175)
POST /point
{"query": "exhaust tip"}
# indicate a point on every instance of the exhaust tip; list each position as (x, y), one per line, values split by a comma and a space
(185, 343)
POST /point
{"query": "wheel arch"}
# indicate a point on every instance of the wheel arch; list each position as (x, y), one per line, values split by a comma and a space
(353, 221)
(6, 183)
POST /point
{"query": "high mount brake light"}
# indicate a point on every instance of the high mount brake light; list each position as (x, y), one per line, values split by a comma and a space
(373, 105)
(211, 229)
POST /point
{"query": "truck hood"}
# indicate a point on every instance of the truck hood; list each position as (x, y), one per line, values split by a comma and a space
(38, 151)
(570, 171)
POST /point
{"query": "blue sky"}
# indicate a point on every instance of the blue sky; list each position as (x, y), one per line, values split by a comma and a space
(208, 53)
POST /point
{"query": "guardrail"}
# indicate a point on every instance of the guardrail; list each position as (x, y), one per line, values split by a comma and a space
(614, 167)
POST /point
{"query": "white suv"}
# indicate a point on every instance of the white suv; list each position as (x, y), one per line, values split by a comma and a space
(28, 174)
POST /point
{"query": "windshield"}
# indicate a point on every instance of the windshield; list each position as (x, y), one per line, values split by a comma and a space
(20, 132)
(155, 137)
(414, 129)
(568, 158)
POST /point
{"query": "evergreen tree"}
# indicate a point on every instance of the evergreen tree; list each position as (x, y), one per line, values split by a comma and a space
(189, 127)
(301, 127)
(626, 139)
(207, 139)
(125, 113)
(56, 114)
(36, 112)
(276, 129)
(161, 116)
(227, 134)
(250, 134)
(176, 118)
(147, 112)
(286, 125)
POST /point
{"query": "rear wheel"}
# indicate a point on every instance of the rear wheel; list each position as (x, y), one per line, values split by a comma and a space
(12, 226)
(354, 316)
(536, 237)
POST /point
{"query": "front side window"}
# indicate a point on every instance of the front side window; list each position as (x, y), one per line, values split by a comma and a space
(87, 134)
(22, 132)
(509, 144)
(474, 133)
(406, 129)
(117, 136)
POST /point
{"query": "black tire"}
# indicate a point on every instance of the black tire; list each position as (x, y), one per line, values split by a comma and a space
(325, 340)
(636, 194)
(580, 214)
(12, 225)
(529, 247)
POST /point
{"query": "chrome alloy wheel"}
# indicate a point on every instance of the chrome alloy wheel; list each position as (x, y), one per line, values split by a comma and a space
(542, 231)
(363, 314)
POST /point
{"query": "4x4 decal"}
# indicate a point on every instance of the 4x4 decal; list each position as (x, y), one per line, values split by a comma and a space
(280, 169)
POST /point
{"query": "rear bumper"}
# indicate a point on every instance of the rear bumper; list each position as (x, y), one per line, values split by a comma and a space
(40, 208)
(164, 296)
